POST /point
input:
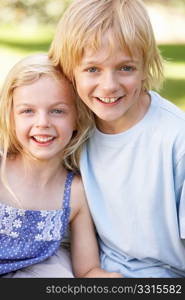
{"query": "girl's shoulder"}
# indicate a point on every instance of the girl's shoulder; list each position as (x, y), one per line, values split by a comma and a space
(77, 188)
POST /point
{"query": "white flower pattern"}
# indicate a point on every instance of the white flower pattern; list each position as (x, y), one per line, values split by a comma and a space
(44, 225)
(17, 223)
(31, 236)
(21, 212)
(40, 225)
(38, 237)
(14, 234)
(47, 225)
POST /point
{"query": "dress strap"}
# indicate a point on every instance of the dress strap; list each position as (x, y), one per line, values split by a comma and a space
(67, 189)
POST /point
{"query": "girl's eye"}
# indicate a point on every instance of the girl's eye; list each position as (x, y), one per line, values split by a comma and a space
(57, 111)
(127, 68)
(27, 111)
(92, 69)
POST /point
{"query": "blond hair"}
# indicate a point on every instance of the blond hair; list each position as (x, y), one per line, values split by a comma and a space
(27, 71)
(127, 23)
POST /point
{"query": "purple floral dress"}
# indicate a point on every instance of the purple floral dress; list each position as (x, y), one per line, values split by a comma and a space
(31, 236)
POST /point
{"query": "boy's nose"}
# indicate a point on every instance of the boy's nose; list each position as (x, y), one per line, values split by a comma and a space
(42, 120)
(109, 82)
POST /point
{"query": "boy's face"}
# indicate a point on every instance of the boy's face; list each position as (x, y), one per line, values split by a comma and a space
(110, 84)
(44, 116)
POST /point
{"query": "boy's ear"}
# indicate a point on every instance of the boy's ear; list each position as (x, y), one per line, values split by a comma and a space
(144, 74)
(144, 77)
(74, 85)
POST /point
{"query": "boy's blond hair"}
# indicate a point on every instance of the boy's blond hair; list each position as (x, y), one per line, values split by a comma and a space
(127, 23)
(27, 71)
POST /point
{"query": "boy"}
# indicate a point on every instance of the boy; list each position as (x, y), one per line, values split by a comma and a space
(133, 166)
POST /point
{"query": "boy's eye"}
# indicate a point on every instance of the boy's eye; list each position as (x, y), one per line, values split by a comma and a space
(92, 69)
(127, 68)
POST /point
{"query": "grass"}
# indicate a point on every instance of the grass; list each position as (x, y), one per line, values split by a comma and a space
(15, 44)
(174, 86)
(26, 39)
(173, 52)
(19, 41)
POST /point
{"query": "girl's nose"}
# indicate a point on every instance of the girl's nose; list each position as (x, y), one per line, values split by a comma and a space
(42, 120)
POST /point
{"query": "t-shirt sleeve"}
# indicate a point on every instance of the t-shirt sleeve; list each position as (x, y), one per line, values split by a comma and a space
(182, 213)
(180, 193)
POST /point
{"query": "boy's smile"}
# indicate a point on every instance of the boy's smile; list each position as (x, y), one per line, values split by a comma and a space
(110, 84)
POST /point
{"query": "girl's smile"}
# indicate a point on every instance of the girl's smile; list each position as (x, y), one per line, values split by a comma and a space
(44, 117)
(43, 140)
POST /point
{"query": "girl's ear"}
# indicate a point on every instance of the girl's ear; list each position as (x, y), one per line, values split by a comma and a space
(12, 125)
(12, 121)
(74, 133)
(75, 126)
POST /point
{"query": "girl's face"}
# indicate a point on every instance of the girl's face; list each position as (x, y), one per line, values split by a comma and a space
(111, 86)
(44, 116)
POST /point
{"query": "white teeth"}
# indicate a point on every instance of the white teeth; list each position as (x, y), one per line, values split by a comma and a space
(109, 100)
(42, 138)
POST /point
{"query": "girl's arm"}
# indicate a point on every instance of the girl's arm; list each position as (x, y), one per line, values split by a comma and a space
(84, 247)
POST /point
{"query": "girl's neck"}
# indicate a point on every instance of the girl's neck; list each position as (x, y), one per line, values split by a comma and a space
(38, 172)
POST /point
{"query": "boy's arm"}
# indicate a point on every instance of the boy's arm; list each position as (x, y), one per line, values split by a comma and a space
(84, 247)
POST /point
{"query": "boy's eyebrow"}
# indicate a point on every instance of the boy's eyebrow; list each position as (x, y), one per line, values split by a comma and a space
(94, 62)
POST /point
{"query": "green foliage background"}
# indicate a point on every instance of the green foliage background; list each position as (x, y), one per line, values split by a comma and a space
(28, 26)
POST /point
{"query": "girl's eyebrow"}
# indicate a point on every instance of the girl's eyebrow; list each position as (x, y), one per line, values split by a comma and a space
(23, 104)
(31, 104)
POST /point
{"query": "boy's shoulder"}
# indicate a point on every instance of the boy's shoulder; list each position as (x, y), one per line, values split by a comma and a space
(169, 113)
(169, 123)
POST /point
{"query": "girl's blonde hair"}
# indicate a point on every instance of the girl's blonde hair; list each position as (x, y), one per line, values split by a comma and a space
(127, 23)
(25, 72)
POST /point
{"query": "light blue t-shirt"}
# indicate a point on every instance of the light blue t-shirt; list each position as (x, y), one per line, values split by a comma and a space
(135, 187)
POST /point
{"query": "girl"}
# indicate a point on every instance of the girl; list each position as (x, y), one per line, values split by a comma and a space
(40, 140)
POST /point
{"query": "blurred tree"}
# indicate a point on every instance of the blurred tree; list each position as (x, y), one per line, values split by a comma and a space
(179, 3)
(49, 11)
(31, 11)
(166, 2)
